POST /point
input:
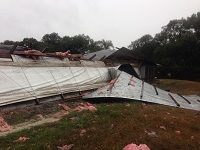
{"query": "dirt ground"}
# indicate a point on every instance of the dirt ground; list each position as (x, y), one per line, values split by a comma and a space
(26, 117)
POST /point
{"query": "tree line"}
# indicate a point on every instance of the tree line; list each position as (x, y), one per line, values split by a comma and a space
(176, 48)
(77, 44)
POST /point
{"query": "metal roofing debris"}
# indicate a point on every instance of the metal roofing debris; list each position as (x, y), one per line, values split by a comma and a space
(9, 47)
(124, 53)
(99, 54)
(128, 87)
(26, 79)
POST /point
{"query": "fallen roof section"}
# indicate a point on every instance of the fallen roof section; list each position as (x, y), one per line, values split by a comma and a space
(25, 79)
(99, 54)
(129, 87)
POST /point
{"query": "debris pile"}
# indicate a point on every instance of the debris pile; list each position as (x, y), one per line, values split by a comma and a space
(135, 147)
(21, 139)
(4, 125)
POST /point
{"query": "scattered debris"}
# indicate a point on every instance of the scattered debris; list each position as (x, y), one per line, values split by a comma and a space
(163, 127)
(4, 125)
(65, 147)
(144, 105)
(152, 134)
(32, 52)
(86, 106)
(174, 117)
(192, 137)
(112, 81)
(168, 113)
(67, 53)
(40, 116)
(135, 147)
(74, 118)
(128, 105)
(178, 132)
(112, 126)
(82, 132)
(65, 107)
(21, 139)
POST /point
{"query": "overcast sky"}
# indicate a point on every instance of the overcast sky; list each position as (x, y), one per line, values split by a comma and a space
(121, 21)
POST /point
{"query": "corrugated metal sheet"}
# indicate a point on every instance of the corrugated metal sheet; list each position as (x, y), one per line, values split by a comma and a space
(129, 87)
(26, 79)
(126, 54)
(100, 54)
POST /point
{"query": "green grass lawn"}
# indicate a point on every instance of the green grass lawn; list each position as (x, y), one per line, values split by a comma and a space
(113, 126)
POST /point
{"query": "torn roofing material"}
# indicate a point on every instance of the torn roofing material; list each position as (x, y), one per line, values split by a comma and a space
(129, 87)
(99, 54)
(24, 79)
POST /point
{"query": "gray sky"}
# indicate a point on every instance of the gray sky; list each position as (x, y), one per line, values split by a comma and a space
(121, 21)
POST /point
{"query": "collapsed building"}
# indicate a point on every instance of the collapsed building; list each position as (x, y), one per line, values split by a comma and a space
(146, 69)
(30, 76)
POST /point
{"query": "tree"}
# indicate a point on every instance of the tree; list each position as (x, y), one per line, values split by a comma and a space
(176, 47)
(53, 41)
(30, 42)
(8, 42)
(144, 45)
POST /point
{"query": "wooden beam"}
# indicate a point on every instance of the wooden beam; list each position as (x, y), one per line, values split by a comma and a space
(13, 48)
(92, 57)
(102, 58)
(46, 48)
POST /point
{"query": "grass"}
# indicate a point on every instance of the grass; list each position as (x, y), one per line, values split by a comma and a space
(113, 126)
(179, 86)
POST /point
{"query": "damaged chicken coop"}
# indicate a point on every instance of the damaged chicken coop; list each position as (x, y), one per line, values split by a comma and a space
(33, 77)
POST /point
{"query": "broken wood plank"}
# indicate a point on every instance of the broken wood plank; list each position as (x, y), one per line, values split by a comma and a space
(92, 57)
(46, 48)
(102, 58)
(13, 48)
